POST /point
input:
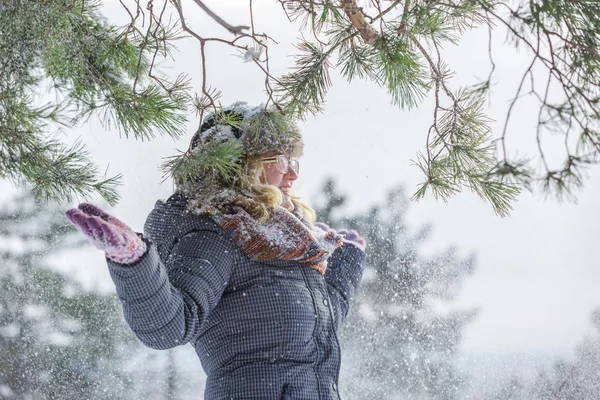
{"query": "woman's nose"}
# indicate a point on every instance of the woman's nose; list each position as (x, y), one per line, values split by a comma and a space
(291, 175)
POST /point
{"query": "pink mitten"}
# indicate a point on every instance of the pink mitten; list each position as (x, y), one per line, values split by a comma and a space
(107, 233)
(351, 236)
(323, 226)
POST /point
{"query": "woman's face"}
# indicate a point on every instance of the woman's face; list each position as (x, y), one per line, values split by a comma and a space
(273, 175)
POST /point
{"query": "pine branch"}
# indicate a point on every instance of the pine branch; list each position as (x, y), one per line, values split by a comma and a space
(217, 157)
(55, 170)
(96, 69)
(303, 90)
(358, 62)
(401, 71)
(140, 114)
(91, 67)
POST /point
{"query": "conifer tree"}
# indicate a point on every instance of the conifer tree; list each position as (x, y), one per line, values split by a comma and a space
(397, 345)
(57, 341)
(60, 64)
(575, 379)
(95, 68)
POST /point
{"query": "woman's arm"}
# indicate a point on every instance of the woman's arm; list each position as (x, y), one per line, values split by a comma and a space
(344, 270)
(166, 304)
(343, 275)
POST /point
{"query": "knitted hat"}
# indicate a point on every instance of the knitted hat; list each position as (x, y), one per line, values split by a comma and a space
(209, 170)
(258, 130)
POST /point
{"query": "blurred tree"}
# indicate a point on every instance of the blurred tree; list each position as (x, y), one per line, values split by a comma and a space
(578, 379)
(398, 343)
(57, 341)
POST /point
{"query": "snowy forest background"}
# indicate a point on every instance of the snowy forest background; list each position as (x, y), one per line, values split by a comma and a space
(59, 340)
(456, 303)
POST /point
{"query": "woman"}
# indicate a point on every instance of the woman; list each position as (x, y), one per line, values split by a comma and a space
(234, 265)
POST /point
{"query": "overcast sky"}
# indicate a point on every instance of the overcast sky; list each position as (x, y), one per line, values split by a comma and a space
(536, 279)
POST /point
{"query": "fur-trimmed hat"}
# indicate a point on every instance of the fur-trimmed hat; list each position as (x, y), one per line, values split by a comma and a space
(210, 172)
(258, 130)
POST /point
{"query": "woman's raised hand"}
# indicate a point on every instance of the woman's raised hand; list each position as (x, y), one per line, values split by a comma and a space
(351, 236)
(120, 243)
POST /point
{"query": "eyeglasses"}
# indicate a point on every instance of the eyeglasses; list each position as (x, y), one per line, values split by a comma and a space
(283, 163)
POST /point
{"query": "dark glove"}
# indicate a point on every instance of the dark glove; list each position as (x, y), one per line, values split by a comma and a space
(120, 243)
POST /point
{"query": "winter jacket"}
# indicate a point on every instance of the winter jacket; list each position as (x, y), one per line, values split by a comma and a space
(262, 330)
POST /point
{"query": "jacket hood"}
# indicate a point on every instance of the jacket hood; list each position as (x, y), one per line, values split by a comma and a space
(169, 221)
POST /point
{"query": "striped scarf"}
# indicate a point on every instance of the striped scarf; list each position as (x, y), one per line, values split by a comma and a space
(286, 236)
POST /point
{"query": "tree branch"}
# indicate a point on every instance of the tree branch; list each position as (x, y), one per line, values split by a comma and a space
(356, 16)
(236, 30)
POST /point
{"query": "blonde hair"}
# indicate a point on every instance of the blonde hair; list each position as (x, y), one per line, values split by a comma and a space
(305, 209)
(212, 196)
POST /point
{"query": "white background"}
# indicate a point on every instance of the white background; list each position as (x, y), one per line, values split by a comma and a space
(537, 276)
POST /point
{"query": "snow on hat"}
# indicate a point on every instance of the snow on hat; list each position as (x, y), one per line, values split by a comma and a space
(257, 129)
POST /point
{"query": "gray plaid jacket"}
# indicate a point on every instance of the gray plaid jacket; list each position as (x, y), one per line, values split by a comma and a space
(262, 330)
